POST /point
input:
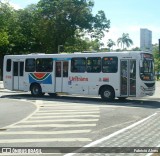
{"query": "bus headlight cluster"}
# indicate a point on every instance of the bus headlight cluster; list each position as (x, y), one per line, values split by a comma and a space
(142, 88)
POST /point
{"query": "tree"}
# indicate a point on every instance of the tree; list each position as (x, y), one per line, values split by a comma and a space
(156, 55)
(5, 16)
(48, 24)
(3, 38)
(110, 43)
(58, 21)
(136, 49)
(26, 24)
(125, 41)
(78, 44)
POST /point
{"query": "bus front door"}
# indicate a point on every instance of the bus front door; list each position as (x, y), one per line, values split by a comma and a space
(18, 72)
(61, 74)
(128, 78)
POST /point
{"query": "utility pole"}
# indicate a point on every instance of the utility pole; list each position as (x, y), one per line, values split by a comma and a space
(59, 47)
(159, 47)
(158, 61)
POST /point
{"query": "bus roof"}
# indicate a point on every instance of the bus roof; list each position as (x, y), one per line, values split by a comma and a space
(79, 54)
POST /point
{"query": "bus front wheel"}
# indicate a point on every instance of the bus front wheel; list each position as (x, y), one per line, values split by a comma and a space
(36, 90)
(107, 94)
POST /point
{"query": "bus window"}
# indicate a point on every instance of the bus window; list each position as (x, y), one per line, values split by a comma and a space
(109, 64)
(58, 69)
(21, 68)
(8, 66)
(65, 69)
(30, 65)
(94, 65)
(78, 65)
(44, 65)
(15, 69)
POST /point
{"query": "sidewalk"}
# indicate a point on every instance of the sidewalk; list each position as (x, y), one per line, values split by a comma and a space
(157, 91)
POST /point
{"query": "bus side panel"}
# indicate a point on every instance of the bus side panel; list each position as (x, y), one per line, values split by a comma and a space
(78, 83)
(112, 80)
(45, 79)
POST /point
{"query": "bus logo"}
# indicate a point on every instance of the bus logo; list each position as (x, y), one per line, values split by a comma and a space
(44, 78)
(78, 78)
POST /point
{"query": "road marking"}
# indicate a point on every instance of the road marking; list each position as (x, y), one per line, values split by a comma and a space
(70, 110)
(48, 132)
(66, 113)
(111, 135)
(54, 125)
(37, 108)
(63, 116)
(7, 141)
(64, 120)
(68, 106)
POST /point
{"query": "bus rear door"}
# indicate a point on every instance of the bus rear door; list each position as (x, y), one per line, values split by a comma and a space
(61, 74)
(128, 78)
(18, 73)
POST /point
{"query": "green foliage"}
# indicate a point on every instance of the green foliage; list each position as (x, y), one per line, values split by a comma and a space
(110, 43)
(125, 40)
(42, 27)
(156, 55)
(62, 19)
(80, 45)
(136, 49)
(5, 16)
(3, 38)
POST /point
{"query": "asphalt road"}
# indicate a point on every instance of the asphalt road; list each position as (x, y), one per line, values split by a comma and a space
(78, 121)
(12, 111)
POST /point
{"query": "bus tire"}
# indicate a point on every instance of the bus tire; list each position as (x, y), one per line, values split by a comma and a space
(107, 93)
(36, 90)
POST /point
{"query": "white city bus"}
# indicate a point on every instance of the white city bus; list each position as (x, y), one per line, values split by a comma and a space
(108, 74)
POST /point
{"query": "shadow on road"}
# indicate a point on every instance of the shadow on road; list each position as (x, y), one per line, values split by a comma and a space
(130, 102)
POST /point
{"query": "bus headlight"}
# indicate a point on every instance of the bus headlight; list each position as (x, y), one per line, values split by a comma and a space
(142, 88)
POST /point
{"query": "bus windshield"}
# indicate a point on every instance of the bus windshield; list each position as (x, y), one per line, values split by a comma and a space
(147, 69)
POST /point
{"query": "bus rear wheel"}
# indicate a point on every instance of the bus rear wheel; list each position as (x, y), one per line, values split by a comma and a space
(107, 94)
(36, 90)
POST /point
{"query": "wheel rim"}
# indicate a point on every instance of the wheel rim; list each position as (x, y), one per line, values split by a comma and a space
(35, 90)
(107, 94)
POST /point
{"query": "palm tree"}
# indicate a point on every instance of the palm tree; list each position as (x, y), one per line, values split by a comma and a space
(110, 43)
(125, 40)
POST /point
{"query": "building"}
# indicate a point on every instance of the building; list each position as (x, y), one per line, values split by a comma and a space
(145, 39)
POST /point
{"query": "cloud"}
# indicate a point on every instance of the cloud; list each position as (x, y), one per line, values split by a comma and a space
(15, 6)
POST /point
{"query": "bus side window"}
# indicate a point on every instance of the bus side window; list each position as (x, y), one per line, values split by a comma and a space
(58, 69)
(65, 69)
(93, 64)
(78, 65)
(44, 65)
(8, 65)
(109, 64)
(30, 65)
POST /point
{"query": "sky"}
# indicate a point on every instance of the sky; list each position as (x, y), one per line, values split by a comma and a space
(126, 16)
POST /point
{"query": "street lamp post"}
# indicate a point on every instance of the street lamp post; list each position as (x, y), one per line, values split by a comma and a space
(59, 47)
(158, 59)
